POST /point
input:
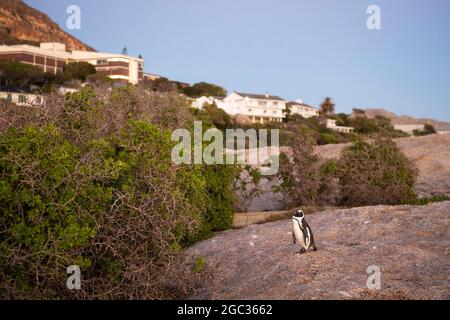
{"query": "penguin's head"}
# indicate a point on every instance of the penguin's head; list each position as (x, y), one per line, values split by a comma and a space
(299, 214)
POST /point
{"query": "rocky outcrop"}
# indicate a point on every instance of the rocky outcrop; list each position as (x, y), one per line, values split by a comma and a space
(395, 119)
(410, 245)
(21, 24)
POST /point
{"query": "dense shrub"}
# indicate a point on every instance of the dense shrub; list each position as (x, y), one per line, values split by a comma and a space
(317, 128)
(429, 129)
(203, 89)
(306, 180)
(21, 75)
(221, 200)
(427, 200)
(161, 85)
(87, 180)
(378, 126)
(376, 173)
(99, 79)
(78, 70)
(211, 114)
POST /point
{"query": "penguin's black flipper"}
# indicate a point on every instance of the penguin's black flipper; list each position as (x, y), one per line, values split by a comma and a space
(293, 237)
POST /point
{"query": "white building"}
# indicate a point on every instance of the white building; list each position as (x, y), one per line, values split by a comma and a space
(52, 56)
(306, 111)
(116, 66)
(259, 108)
(409, 128)
(151, 76)
(22, 99)
(331, 124)
(199, 103)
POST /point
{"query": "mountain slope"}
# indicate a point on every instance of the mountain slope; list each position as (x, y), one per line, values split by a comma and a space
(410, 244)
(21, 24)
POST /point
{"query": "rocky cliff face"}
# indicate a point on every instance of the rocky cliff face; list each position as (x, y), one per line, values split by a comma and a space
(410, 245)
(19, 23)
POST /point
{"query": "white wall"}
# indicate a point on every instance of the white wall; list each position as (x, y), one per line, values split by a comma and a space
(235, 104)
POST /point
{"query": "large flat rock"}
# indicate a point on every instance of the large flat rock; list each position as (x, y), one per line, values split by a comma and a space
(410, 244)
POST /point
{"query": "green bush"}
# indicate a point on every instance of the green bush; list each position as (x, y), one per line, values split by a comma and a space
(304, 179)
(17, 74)
(203, 89)
(78, 70)
(327, 138)
(429, 129)
(427, 200)
(211, 114)
(88, 180)
(378, 126)
(377, 173)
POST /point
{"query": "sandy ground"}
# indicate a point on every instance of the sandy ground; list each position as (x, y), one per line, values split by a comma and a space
(411, 245)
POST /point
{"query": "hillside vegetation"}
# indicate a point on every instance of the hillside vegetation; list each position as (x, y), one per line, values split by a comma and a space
(87, 180)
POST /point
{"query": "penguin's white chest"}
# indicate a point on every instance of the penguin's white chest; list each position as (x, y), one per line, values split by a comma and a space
(298, 233)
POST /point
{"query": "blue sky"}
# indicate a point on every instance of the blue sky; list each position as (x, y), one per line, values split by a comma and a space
(306, 49)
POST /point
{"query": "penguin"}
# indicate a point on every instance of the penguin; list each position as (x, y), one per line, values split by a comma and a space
(302, 233)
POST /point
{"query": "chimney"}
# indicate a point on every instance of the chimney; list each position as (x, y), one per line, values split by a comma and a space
(267, 95)
(299, 101)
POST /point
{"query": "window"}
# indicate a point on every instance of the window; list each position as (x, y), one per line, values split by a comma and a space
(275, 103)
(274, 112)
(38, 100)
(22, 98)
(265, 111)
(249, 110)
(102, 61)
(262, 103)
(9, 97)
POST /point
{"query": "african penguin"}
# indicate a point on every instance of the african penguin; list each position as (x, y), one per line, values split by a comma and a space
(301, 232)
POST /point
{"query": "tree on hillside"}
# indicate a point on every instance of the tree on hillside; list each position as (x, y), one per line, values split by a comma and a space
(204, 89)
(161, 85)
(17, 74)
(327, 107)
(214, 115)
(78, 70)
(358, 112)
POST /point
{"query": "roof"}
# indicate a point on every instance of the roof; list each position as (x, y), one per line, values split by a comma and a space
(259, 96)
(88, 55)
(33, 49)
(75, 54)
(301, 104)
